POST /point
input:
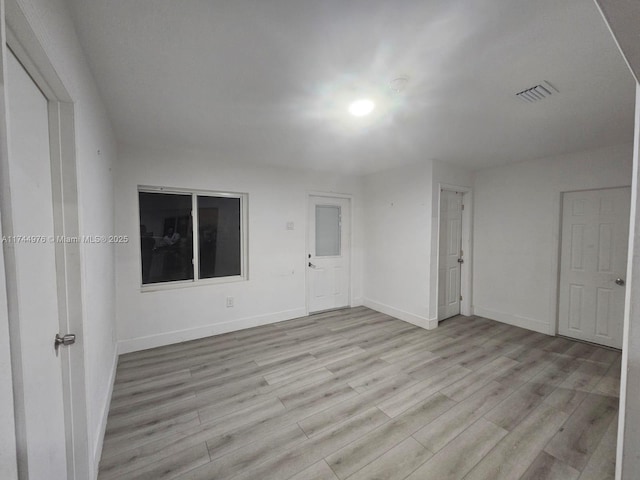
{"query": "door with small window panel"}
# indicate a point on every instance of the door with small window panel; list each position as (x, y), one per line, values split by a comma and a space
(328, 263)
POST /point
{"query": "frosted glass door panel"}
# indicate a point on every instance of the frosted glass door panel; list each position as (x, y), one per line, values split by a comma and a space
(327, 230)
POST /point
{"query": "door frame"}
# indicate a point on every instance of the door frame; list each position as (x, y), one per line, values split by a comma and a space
(18, 35)
(466, 272)
(342, 196)
(557, 258)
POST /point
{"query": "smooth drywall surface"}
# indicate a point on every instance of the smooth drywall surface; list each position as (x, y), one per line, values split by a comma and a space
(398, 242)
(8, 452)
(8, 465)
(401, 227)
(622, 18)
(95, 155)
(277, 263)
(516, 231)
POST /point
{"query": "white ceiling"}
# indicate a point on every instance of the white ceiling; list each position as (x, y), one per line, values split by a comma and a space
(269, 81)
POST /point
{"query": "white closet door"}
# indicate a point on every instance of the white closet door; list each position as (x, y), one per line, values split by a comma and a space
(595, 236)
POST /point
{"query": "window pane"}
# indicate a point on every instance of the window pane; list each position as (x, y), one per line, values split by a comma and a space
(327, 230)
(166, 237)
(219, 234)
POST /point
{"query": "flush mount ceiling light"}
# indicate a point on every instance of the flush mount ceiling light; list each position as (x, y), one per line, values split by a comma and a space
(361, 107)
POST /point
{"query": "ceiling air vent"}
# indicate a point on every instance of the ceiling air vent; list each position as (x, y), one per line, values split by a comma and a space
(537, 93)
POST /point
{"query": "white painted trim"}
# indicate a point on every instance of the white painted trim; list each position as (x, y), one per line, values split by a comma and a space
(178, 336)
(409, 317)
(515, 320)
(357, 302)
(626, 457)
(104, 414)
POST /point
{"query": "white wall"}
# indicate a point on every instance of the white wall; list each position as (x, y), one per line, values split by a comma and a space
(516, 231)
(8, 464)
(52, 24)
(8, 453)
(277, 257)
(401, 218)
(398, 233)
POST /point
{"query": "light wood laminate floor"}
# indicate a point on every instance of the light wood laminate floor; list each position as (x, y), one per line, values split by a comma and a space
(356, 394)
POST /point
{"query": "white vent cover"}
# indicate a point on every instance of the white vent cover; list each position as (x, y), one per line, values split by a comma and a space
(537, 93)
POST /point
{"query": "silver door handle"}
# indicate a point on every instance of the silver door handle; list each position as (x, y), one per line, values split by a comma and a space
(68, 339)
(619, 281)
(312, 265)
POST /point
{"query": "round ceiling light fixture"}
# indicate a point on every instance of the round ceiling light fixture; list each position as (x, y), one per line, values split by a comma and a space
(361, 107)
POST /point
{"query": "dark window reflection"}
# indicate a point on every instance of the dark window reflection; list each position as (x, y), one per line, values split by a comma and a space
(166, 241)
(219, 236)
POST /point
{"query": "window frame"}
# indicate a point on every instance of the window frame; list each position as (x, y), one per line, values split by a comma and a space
(197, 281)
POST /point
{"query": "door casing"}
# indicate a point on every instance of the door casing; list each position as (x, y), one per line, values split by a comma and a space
(20, 37)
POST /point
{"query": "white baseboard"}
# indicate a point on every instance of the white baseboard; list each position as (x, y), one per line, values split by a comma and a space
(515, 320)
(412, 318)
(357, 302)
(177, 336)
(97, 448)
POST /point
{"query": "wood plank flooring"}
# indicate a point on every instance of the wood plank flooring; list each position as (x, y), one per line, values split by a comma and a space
(356, 394)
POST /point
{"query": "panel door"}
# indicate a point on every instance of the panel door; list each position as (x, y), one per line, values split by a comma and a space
(595, 236)
(329, 253)
(450, 253)
(43, 439)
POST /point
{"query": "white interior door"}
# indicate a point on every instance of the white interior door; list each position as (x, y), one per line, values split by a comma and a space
(328, 272)
(450, 254)
(595, 235)
(41, 434)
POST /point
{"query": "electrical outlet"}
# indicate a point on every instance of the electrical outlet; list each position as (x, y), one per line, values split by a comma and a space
(229, 302)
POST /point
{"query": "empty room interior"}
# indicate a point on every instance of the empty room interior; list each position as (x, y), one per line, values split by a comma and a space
(331, 240)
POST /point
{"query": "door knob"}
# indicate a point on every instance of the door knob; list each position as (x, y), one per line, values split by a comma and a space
(460, 260)
(312, 265)
(619, 281)
(68, 339)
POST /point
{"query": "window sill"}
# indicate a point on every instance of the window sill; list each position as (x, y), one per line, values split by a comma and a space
(156, 287)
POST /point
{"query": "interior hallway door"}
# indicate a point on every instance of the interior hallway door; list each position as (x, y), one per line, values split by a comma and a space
(450, 254)
(593, 265)
(41, 437)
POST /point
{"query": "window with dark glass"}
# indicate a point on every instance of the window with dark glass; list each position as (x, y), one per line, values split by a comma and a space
(167, 241)
(219, 235)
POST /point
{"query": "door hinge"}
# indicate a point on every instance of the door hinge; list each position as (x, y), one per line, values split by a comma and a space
(463, 206)
(460, 297)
